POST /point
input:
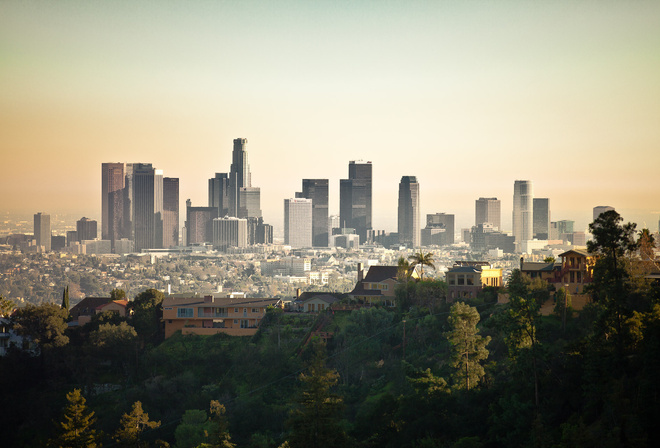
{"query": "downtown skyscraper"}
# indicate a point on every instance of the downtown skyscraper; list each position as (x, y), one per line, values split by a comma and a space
(408, 212)
(42, 230)
(488, 211)
(298, 222)
(541, 227)
(317, 191)
(147, 206)
(114, 203)
(523, 212)
(355, 198)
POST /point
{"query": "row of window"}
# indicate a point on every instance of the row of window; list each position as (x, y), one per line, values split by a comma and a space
(188, 313)
(461, 280)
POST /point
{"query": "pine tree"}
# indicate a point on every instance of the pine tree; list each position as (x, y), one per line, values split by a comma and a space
(65, 299)
(132, 426)
(75, 429)
(468, 347)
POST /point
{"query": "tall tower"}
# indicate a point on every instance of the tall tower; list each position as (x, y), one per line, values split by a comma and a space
(598, 210)
(147, 206)
(541, 218)
(317, 191)
(249, 199)
(488, 210)
(355, 198)
(219, 193)
(42, 230)
(170, 212)
(112, 200)
(523, 213)
(239, 175)
(409, 225)
(86, 229)
(298, 222)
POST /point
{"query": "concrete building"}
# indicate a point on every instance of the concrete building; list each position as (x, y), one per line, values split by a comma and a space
(230, 232)
(408, 213)
(439, 230)
(317, 190)
(147, 206)
(112, 200)
(199, 224)
(523, 212)
(42, 231)
(466, 281)
(541, 227)
(298, 222)
(86, 229)
(170, 212)
(488, 211)
(355, 198)
(219, 193)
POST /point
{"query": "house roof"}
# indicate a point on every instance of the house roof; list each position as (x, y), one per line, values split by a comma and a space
(531, 266)
(88, 304)
(380, 273)
(464, 269)
(582, 252)
(313, 294)
(123, 303)
(327, 298)
(218, 301)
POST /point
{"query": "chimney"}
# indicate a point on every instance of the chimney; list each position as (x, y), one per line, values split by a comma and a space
(521, 263)
(298, 292)
(360, 272)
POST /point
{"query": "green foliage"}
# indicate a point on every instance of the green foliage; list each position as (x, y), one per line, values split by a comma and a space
(76, 428)
(65, 299)
(113, 336)
(192, 430)
(44, 324)
(468, 347)
(132, 426)
(147, 310)
(314, 422)
(6, 307)
(118, 294)
(421, 259)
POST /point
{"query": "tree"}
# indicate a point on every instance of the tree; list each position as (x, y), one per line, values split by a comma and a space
(191, 431)
(65, 299)
(6, 307)
(44, 324)
(422, 259)
(219, 430)
(314, 420)
(76, 428)
(404, 270)
(147, 311)
(468, 347)
(117, 294)
(132, 427)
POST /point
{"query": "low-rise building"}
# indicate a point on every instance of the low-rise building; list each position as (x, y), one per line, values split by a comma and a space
(577, 270)
(211, 315)
(466, 280)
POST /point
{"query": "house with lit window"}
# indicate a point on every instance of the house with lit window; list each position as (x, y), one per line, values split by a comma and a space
(378, 286)
(577, 270)
(211, 315)
(466, 280)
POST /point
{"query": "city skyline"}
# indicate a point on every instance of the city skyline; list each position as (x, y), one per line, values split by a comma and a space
(465, 96)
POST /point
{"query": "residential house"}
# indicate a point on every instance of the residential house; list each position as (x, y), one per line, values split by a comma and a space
(82, 312)
(577, 269)
(211, 315)
(466, 280)
(377, 286)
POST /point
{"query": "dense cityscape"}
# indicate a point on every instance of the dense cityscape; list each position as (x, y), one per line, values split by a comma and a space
(329, 224)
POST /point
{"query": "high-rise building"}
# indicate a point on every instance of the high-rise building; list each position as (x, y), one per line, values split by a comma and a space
(199, 224)
(219, 193)
(42, 230)
(523, 212)
(488, 211)
(259, 232)
(298, 222)
(86, 229)
(127, 228)
(239, 175)
(601, 209)
(541, 227)
(317, 191)
(355, 198)
(229, 232)
(565, 227)
(439, 230)
(250, 202)
(170, 212)
(147, 206)
(112, 201)
(408, 213)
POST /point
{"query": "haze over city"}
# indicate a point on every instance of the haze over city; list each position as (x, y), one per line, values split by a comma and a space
(466, 96)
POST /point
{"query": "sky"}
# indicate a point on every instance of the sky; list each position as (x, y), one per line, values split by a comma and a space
(466, 95)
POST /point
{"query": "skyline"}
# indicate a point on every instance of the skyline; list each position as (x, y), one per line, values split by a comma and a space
(466, 96)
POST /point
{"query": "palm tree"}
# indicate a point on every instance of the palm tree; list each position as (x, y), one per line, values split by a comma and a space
(422, 259)
(404, 270)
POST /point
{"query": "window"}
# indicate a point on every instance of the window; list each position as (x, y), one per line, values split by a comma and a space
(461, 280)
(452, 280)
(235, 310)
(184, 312)
(244, 312)
(470, 280)
(255, 310)
(244, 323)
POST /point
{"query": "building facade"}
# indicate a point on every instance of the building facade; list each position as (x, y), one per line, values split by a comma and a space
(199, 224)
(541, 227)
(317, 191)
(170, 212)
(86, 229)
(112, 200)
(523, 212)
(230, 232)
(219, 193)
(355, 198)
(298, 222)
(42, 231)
(408, 212)
(488, 211)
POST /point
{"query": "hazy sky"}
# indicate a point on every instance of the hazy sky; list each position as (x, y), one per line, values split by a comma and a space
(466, 95)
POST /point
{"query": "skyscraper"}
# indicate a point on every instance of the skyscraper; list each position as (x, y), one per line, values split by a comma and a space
(601, 209)
(239, 175)
(488, 211)
(541, 212)
(523, 212)
(42, 230)
(112, 200)
(229, 232)
(147, 206)
(355, 195)
(408, 213)
(219, 193)
(298, 222)
(317, 191)
(249, 199)
(86, 229)
(439, 230)
(170, 212)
